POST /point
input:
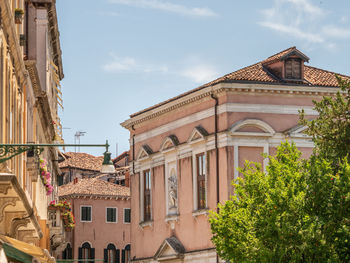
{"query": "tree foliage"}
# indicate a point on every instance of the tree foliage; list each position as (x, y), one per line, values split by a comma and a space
(299, 211)
(331, 129)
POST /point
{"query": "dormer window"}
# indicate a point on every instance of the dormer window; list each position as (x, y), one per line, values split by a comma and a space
(293, 68)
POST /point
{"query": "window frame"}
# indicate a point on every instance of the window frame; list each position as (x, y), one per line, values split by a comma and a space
(202, 179)
(124, 215)
(81, 213)
(149, 215)
(116, 215)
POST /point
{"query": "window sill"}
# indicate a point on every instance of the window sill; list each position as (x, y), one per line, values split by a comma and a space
(144, 224)
(174, 217)
(204, 211)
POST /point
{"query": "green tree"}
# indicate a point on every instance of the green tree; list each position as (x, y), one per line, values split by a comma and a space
(297, 212)
(300, 210)
(331, 129)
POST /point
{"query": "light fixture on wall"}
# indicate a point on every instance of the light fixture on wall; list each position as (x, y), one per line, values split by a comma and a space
(36, 149)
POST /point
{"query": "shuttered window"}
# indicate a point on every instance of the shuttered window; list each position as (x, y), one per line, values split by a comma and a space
(111, 215)
(293, 68)
(201, 185)
(85, 214)
(127, 215)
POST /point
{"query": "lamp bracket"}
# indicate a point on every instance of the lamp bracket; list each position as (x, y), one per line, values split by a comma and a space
(13, 150)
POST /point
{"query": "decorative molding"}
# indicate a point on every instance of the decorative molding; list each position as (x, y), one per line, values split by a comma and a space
(4, 187)
(224, 108)
(9, 27)
(200, 212)
(169, 143)
(198, 134)
(144, 153)
(202, 92)
(4, 202)
(16, 224)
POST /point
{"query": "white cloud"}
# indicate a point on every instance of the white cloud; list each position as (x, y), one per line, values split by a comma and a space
(304, 20)
(200, 73)
(337, 32)
(168, 7)
(307, 7)
(293, 31)
(129, 64)
(191, 68)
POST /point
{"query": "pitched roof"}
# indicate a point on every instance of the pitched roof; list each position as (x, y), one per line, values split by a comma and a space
(259, 73)
(93, 186)
(82, 161)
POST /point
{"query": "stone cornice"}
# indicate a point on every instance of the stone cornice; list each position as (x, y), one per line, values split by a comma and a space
(15, 50)
(227, 87)
(55, 37)
(42, 101)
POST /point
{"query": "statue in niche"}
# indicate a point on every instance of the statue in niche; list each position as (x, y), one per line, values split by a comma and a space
(172, 186)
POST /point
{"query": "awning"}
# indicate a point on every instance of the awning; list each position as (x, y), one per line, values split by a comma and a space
(11, 245)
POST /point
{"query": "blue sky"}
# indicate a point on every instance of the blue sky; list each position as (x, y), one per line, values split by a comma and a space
(121, 56)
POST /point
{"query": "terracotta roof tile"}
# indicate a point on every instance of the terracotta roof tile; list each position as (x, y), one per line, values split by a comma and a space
(93, 186)
(258, 73)
(82, 161)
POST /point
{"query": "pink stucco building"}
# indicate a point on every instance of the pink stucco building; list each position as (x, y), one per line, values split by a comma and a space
(185, 151)
(103, 216)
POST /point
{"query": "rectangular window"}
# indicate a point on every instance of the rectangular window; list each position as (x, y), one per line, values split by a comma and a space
(201, 185)
(147, 195)
(127, 215)
(293, 68)
(85, 214)
(111, 215)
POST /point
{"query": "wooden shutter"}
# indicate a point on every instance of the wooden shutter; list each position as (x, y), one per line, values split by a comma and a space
(70, 252)
(117, 259)
(92, 253)
(293, 69)
(88, 213)
(105, 255)
(123, 256)
(80, 254)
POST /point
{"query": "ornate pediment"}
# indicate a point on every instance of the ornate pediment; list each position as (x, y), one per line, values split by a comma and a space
(297, 132)
(169, 143)
(171, 248)
(252, 127)
(145, 152)
(198, 134)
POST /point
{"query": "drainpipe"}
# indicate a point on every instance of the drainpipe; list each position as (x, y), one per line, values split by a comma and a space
(133, 151)
(216, 148)
(216, 157)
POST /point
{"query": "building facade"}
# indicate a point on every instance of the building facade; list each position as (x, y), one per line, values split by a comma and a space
(102, 220)
(30, 95)
(185, 151)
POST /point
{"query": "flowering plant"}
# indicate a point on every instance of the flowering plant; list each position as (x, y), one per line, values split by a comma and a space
(45, 176)
(66, 212)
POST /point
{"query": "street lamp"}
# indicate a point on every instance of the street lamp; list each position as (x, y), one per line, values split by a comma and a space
(16, 149)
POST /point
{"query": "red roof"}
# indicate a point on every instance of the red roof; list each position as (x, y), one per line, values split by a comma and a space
(82, 161)
(93, 186)
(258, 73)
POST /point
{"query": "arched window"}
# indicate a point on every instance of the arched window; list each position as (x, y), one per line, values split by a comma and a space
(67, 252)
(111, 254)
(86, 252)
(126, 254)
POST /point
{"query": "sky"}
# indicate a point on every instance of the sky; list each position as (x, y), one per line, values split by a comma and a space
(121, 56)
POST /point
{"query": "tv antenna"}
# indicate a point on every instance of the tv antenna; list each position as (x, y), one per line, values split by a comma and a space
(77, 136)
